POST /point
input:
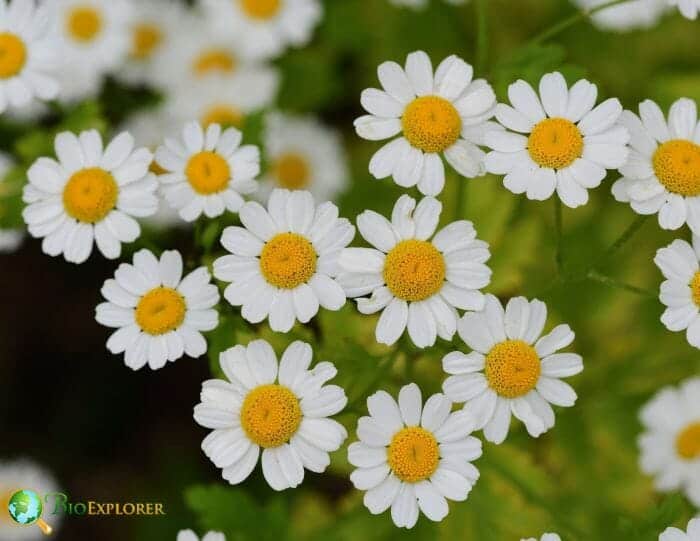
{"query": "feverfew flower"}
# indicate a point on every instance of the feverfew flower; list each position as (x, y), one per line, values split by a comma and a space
(189, 535)
(627, 16)
(89, 194)
(284, 259)
(663, 172)
(557, 140)
(416, 283)
(441, 114)
(545, 537)
(670, 443)
(413, 456)
(158, 314)
(688, 8)
(282, 408)
(512, 369)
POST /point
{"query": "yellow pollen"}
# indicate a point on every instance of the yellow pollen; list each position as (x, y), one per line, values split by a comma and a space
(160, 311)
(413, 454)
(214, 61)
(414, 270)
(208, 173)
(688, 442)
(695, 288)
(13, 55)
(270, 415)
(431, 124)
(90, 194)
(512, 368)
(156, 169)
(555, 143)
(292, 171)
(84, 23)
(146, 38)
(288, 260)
(677, 166)
(224, 115)
(261, 9)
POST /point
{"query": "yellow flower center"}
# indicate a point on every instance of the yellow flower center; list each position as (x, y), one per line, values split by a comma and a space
(160, 311)
(288, 260)
(688, 442)
(214, 61)
(261, 9)
(431, 124)
(13, 55)
(695, 288)
(156, 169)
(413, 454)
(146, 38)
(414, 270)
(84, 23)
(555, 143)
(5, 494)
(292, 171)
(270, 415)
(677, 166)
(224, 115)
(208, 173)
(90, 194)
(512, 368)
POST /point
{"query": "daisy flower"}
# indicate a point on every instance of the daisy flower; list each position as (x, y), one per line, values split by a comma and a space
(627, 16)
(413, 456)
(282, 409)
(563, 142)
(158, 314)
(670, 443)
(416, 283)
(207, 172)
(688, 8)
(512, 369)
(303, 154)
(680, 292)
(189, 535)
(284, 259)
(545, 537)
(674, 534)
(265, 28)
(27, 59)
(442, 114)
(663, 172)
(89, 194)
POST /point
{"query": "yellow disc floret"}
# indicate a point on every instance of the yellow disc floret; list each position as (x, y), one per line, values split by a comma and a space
(225, 115)
(270, 415)
(292, 171)
(160, 311)
(261, 9)
(214, 61)
(695, 288)
(90, 194)
(413, 454)
(288, 260)
(414, 270)
(146, 38)
(13, 55)
(512, 368)
(688, 442)
(677, 166)
(555, 143)
(208, 172)
(431, 124)
(84, 23)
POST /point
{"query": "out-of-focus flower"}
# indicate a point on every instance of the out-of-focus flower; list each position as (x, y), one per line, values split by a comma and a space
(419, 4)
(10, 239)
(626, 16)
(189, 535)
(545, 537)
(688, 8)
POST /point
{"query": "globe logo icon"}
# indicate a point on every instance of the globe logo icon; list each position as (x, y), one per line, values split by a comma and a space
(25, 508)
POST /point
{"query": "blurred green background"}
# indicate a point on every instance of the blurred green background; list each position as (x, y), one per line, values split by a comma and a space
(112, 435)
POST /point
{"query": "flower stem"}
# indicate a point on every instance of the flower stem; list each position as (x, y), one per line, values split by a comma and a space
(627, 234)
(559, 254)
(482, 34)
(595, 276)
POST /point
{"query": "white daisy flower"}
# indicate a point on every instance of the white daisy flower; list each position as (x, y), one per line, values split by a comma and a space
(158, 314)
(674, 534)
(284, 409)
(688, 8)
(284, 259)
(94, 39)
(28, 54)
(512, 369)
(419, 4)
(413, 457)
(265, 28)
(89, 194)
(303, 154)
(207, 172)
(627, 16)
(189, 535)
(416, 283)
(442, 114)
(545, 537)
(10, 239)
(663, 172)
(24, 474)
(670, 443)
(680, 292)
(563, 143)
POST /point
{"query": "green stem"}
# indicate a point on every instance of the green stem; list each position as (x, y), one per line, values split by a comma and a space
(595, 276)
(559, 255)
(482, 34)
(627, 234)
